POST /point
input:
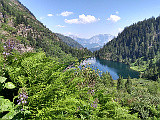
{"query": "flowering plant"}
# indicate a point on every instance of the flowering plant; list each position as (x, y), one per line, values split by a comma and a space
(9, 45)
(22, 98)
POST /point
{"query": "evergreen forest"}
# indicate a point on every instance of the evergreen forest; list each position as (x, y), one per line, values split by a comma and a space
(137, 45)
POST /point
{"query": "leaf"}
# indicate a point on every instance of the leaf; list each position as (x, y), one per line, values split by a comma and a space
(2, 79)
(9, 85)
(9, 115)
(5, 104)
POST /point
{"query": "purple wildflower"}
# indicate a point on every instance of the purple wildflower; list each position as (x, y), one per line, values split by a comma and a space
(9, 45)
(95, 103)
(25, 96)
(22, 97)
(91, 105)
(7, 53)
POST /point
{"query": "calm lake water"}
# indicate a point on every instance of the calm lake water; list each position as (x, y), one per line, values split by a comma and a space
(114, 68)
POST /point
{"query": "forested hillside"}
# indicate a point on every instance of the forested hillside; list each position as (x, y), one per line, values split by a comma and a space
(141, 39)
(19, 24)
(137, 45)
(69, 41)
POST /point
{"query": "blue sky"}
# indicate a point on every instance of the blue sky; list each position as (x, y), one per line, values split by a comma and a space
(86, 18)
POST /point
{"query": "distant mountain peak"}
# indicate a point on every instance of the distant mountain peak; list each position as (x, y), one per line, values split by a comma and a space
(69, 41)
(97, 41)
(73, 37)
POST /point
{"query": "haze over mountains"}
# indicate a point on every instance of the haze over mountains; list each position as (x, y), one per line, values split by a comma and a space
(94, 43)
(69, 41)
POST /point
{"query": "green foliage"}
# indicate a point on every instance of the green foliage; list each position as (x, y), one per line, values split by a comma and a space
(6, 104)
(128, 85)
(2, 79)
(149, 69)
(8, 28)
(58, 93)
(107, 79)
(137, 45)
(8, 85)
(138, 40)
(120, 83)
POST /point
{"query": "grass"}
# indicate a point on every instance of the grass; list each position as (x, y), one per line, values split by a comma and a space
(139, 68)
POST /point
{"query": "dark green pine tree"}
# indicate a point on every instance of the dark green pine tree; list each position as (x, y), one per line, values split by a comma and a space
(158, 79)
(128, 84)
(120, 83)
(105, 80)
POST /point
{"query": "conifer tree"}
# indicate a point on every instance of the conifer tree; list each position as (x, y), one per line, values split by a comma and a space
(128, 84)
(120, 83)
(106, 79)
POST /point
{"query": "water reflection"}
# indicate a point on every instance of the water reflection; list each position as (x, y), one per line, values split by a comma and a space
(114, 68)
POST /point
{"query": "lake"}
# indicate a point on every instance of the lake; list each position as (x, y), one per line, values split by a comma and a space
(114, 68)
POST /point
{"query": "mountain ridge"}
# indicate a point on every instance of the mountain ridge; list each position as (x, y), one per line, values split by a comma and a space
(94, 42)
(18, 23)
(138, 40)
(69, 41)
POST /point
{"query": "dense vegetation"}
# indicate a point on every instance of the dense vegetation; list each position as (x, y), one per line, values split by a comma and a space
(33, 86)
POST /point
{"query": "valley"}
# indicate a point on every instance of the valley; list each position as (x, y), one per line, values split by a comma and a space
(42, 75)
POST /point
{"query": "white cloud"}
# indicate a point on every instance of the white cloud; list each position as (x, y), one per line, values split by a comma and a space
(50, 15)
(60, 26)
(82, 20)
(120, 29)
(114, 18)
(66, 13)
(117, 12)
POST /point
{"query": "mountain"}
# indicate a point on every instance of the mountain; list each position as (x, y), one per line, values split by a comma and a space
(81, 41)
(19, 24)
(141, 39)
(137, 45)
(95, 42)
(69, 41)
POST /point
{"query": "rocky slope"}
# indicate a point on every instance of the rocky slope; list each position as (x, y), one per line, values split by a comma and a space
(19, 24)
